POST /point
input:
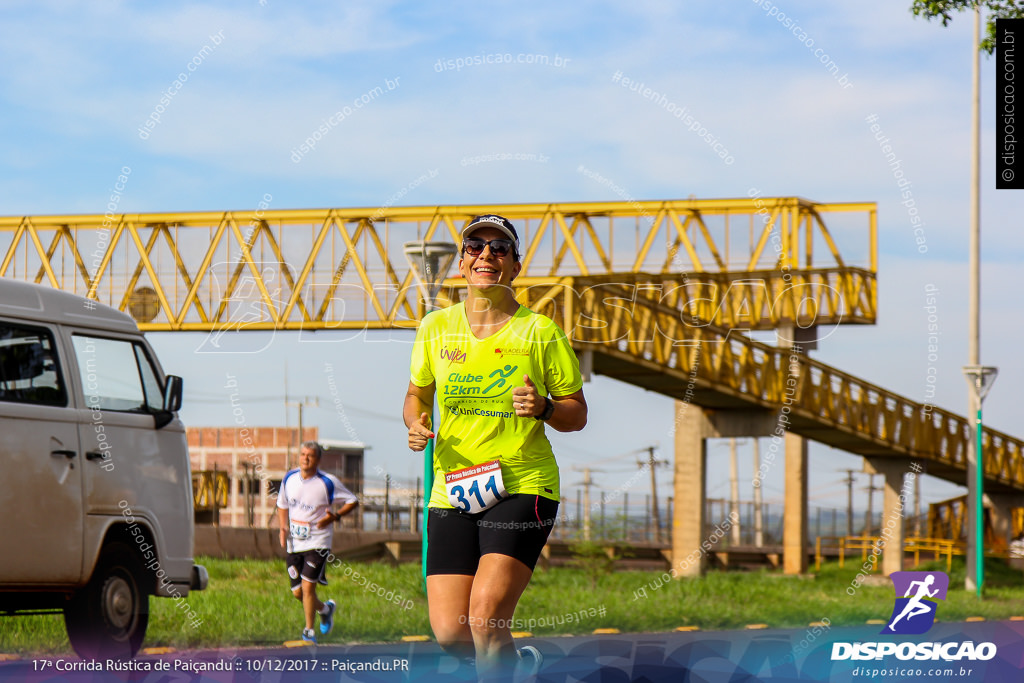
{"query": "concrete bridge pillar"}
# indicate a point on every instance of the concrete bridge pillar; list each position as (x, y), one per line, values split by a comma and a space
(1000, 507)
(693, 427)
(895, 505)
(794, 528)
(691, 432)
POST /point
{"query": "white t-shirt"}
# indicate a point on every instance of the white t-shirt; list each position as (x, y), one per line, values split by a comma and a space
(306, 501)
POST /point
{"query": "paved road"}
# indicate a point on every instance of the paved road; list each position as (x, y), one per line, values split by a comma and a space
(770, 655)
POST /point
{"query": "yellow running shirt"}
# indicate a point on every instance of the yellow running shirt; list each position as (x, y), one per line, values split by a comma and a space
(474, 381)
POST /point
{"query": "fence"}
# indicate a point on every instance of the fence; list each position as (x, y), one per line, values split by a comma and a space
(395, 504)
(849, 545)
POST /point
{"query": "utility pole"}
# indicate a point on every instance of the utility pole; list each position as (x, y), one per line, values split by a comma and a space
(734, 494)
(387, 502)
(647, 521)
(579, 510)
(307, 401)
(249, 509)
(869, 519)
(412, 508)
(849, 501)
(653, 462)
(917, 505)
(758, 505)
(603, 532)
(563, 509)
(669, 516)
(287, 424)
(625, 516)
(586, 484)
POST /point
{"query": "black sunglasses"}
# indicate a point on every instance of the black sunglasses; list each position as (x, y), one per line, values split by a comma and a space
(474, 246)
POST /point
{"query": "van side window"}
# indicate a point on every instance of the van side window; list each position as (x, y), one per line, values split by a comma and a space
(29, 366)
(150, 383)
(116, 375)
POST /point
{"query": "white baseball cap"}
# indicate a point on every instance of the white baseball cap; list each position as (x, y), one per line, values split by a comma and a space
(491, 220)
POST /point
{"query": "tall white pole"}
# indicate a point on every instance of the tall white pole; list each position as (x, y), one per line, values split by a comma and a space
(974, 343)
(974, 538)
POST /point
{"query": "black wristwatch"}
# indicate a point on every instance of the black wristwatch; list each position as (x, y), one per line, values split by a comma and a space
(549, 410)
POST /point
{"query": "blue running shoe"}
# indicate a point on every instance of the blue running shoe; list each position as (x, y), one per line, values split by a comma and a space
(530, 660)
(327, 620)
(308, 635)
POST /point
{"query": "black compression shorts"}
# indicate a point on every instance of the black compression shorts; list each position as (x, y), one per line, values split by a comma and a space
(517, 526)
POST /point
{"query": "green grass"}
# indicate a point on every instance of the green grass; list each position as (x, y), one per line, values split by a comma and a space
(248, 604)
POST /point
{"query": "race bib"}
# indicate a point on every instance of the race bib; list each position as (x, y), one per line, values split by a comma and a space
(476, 488)
(300, 530)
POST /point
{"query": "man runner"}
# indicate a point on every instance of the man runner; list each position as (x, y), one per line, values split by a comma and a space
(306, 514)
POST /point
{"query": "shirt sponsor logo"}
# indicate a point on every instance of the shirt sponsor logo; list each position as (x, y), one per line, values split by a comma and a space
(468, 384)
(453, 355)
(479, 412)
(503, 351)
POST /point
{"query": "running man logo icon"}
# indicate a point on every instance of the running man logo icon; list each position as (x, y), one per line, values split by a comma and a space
(914, 612)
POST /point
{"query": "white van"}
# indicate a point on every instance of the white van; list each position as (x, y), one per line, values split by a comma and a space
(96, 496)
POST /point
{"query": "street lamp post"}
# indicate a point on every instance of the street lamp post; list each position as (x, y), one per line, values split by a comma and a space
(975, 539)
(430, 263)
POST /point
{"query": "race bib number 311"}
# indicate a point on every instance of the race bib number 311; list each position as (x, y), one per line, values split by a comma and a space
(476, 488)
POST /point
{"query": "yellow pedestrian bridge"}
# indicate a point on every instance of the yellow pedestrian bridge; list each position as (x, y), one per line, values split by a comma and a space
(659, 294)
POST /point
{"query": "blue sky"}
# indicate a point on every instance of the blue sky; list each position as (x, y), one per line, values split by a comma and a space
(80, 81)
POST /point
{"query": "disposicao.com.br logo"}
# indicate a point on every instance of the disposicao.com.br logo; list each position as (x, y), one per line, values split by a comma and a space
(913, 613)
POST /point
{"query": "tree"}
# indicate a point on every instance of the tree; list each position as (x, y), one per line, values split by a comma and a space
(997, 9)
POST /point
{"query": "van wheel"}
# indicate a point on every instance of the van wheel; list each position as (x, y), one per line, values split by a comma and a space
(108, 617)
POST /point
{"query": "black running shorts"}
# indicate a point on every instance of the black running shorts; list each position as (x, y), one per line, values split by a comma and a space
(308, 565)
(517, 526)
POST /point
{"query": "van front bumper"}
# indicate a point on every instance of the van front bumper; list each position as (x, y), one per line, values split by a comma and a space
(200, 578)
